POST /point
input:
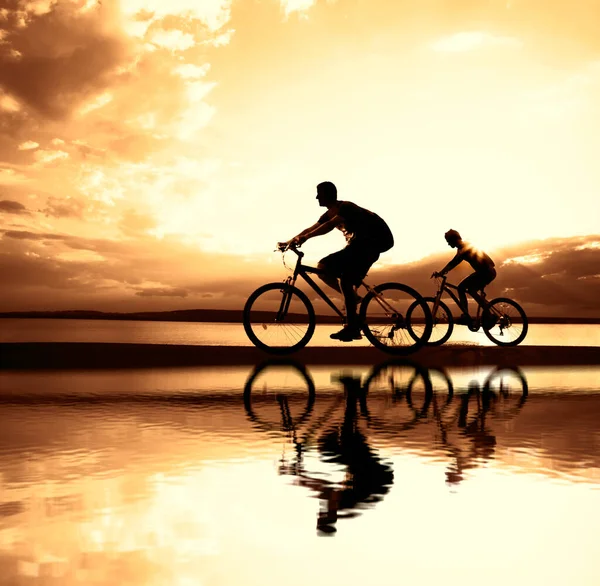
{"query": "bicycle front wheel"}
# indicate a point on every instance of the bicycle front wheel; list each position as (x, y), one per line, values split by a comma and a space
(443, 323)
(395, 318)
(279, 318)
(505, 322)
(279, 395)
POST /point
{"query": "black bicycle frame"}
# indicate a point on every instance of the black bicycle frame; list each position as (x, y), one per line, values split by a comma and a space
(447, 287)
(302, 271)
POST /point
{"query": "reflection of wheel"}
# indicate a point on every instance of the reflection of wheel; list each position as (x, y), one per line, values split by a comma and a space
(279, 318)
(504, 322)
(396, 319)
(399, 394)
(442, 323)
(441, 383)
(507, 391)
(279, 394)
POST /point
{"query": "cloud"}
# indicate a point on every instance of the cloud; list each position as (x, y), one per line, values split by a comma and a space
(63, 207)
(64, 56)
(39, 272)
(12, 207)
(162, 292)
(28, 145)
(470, 41)
(25, 235)
(290, 6)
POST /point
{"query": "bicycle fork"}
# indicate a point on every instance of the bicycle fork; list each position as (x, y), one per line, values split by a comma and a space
(286, 299)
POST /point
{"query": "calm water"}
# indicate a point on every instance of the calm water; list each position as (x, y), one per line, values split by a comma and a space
(283, 475)
(216, 334)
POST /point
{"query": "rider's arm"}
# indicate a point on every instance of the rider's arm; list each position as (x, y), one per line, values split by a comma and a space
(453, 263)
(307, 231)
(320, 229)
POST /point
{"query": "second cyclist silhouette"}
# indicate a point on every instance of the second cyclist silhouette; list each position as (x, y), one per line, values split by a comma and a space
(483, 265)
(367, 236)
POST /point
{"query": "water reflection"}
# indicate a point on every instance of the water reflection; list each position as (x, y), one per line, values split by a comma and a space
(179, 477)
(394, 398)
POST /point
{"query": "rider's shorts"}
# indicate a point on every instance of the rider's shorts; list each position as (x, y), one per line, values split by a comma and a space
(353, 262)
(478, 280)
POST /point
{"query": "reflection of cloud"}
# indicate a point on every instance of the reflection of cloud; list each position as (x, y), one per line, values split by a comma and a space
(469, 41)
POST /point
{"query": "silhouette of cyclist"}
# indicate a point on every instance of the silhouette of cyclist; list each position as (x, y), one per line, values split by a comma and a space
(483, 265)
(367, 236)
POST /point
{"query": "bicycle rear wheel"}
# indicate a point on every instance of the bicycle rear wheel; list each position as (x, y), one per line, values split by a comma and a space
(399, 394)
(508, 389)
(279, 318)
(395, 318)
(505, 322)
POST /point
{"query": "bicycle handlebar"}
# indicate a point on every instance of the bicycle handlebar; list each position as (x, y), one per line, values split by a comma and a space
(284, 246)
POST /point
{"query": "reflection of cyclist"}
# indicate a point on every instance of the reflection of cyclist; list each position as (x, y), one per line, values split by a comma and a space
(367, 479)
(483, 265)
(483, 443)
(367, 236)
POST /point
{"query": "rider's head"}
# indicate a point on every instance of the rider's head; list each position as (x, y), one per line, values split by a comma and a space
(326, 193)
(452, 238)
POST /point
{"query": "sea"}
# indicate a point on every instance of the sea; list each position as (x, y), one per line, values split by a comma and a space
(297, 474)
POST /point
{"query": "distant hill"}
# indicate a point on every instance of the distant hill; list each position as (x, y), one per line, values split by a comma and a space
(192, 315)
(216, 315)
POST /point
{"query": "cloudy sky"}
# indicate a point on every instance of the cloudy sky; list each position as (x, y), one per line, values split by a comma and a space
(152, 152)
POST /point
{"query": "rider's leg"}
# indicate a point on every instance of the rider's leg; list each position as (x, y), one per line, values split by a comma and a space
(463, 286)
(347, 286)
(327, 277)
(360, 261)
(472, 284)
(333, 266)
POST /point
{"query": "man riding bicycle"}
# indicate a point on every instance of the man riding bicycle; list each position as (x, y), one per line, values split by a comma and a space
(367, 236)
(483, 265)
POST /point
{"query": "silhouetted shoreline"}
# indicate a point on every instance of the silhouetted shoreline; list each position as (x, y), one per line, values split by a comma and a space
(74, 355)
(220, 315)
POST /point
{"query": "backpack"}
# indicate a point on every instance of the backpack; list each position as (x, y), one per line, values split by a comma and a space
(385, 238)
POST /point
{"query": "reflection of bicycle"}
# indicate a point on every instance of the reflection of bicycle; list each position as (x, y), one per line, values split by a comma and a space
(338, 440)
(280, 318)
(501, 398)
(279, 395)
(503, 320)
(395, 397)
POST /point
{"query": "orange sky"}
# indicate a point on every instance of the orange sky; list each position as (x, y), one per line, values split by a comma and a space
(150, 148)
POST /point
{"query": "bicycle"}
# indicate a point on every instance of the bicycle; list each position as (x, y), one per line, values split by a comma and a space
(280, 318)
(503, 320)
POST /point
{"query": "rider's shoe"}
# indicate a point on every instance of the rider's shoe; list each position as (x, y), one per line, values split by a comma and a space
(347, 334)
(464, 320)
